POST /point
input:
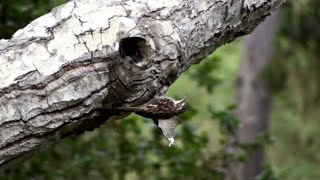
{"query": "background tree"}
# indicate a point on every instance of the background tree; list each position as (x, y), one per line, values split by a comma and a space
(292, 79)
(252, 94)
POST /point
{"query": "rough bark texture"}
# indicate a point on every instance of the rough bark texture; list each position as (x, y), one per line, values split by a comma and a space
(253, 97)
(91, 60)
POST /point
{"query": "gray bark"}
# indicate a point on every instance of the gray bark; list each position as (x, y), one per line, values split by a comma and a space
(252, 96)
(91, 60)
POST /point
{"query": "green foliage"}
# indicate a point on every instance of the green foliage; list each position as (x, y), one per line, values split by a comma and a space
(296, 61)
(270, 173)
(204, 73)
(227, 121)
(293, 76)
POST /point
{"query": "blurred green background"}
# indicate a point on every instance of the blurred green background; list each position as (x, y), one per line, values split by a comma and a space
(133, 148)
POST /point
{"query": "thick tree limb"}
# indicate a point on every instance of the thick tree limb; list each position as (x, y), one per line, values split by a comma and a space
(91, 60)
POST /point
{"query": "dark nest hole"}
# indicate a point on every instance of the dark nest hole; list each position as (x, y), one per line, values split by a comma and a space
(133, 47)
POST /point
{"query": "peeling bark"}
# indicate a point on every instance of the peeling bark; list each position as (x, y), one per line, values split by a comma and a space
(91, 60)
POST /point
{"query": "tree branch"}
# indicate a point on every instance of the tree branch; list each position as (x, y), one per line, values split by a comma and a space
(91, 60)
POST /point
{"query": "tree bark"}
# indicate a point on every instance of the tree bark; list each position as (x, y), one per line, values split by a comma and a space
(91, 60)
(252, 96)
